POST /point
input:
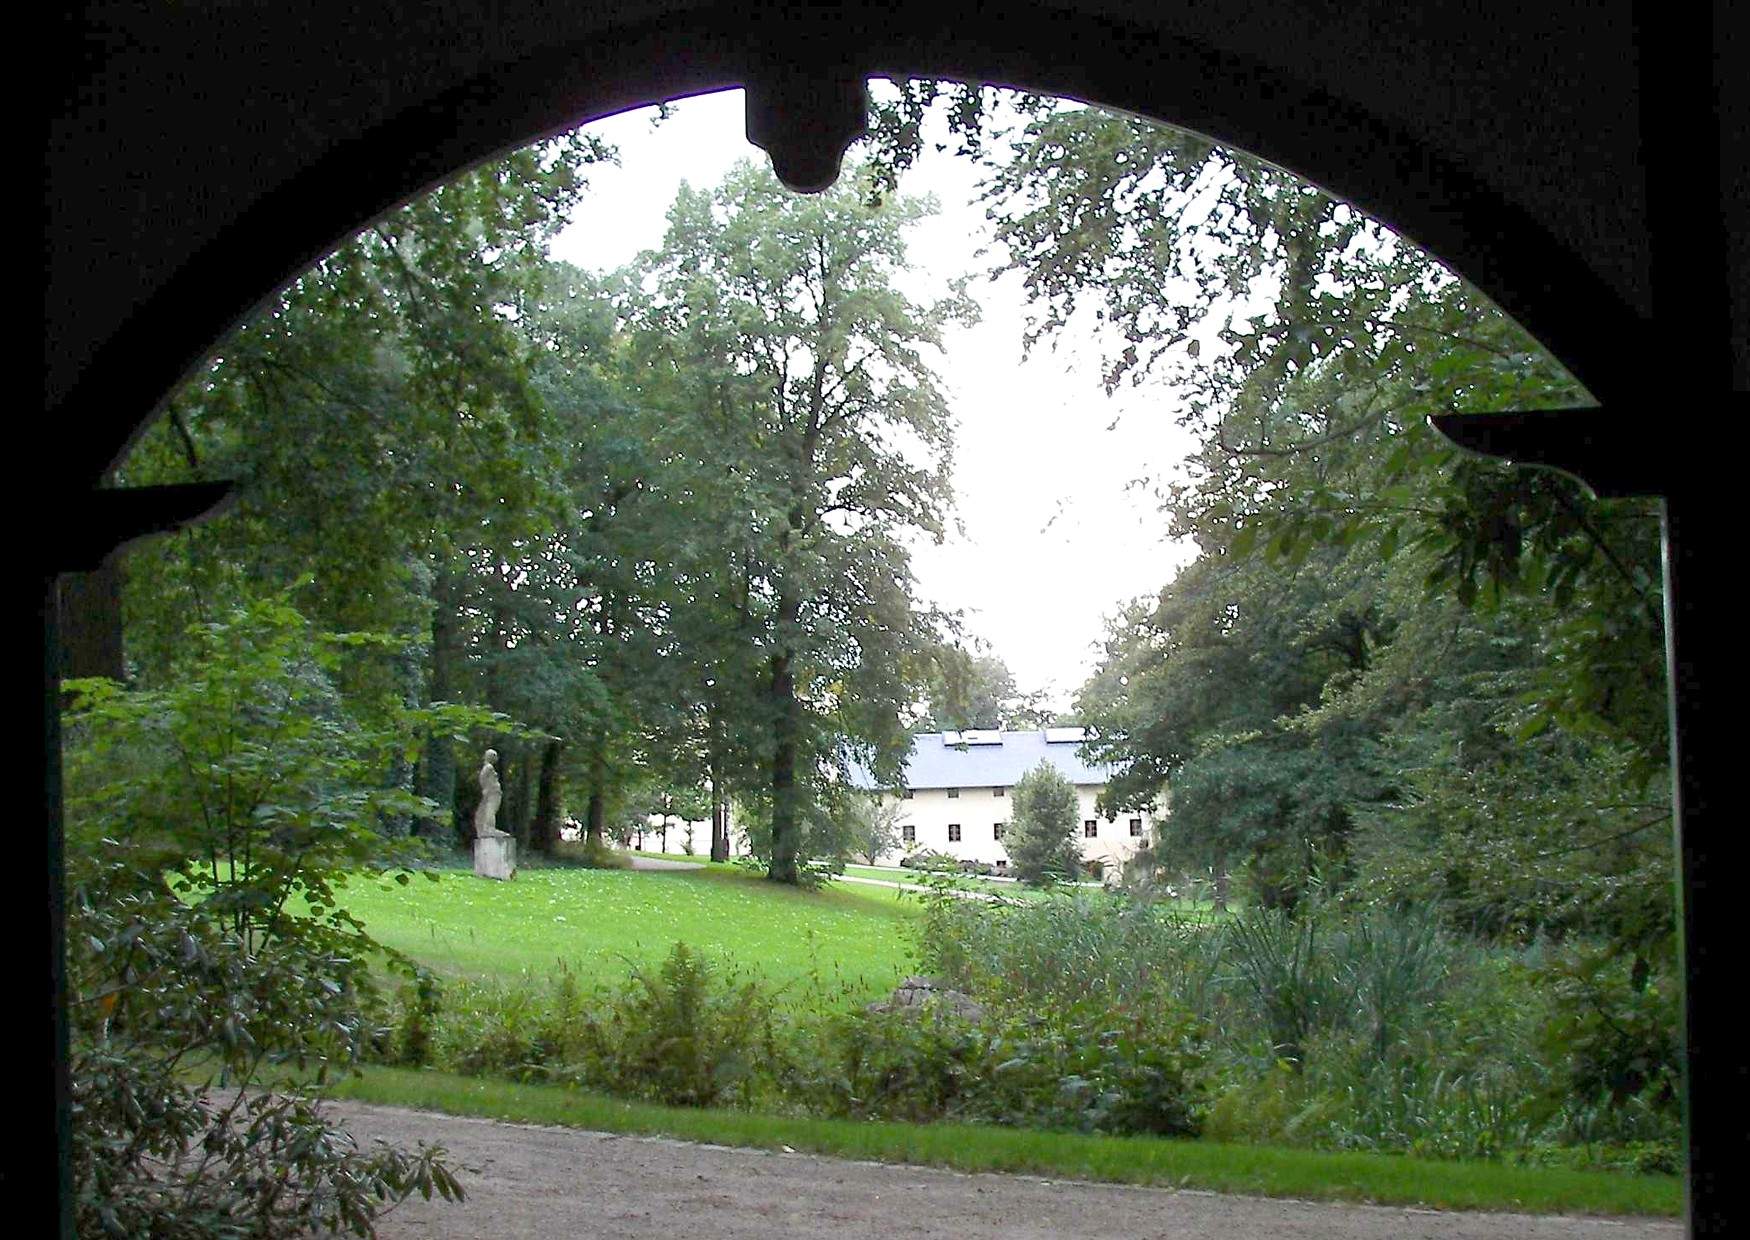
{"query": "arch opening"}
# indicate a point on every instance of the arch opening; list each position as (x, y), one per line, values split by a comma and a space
(1292, 534)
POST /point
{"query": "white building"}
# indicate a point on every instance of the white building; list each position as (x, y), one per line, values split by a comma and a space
(956, 795)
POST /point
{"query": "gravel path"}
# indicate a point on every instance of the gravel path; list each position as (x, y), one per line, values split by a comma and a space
(662, 863)
(536, 1183)
(917, 887)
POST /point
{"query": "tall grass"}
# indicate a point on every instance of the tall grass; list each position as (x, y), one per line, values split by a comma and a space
(1339, 1026)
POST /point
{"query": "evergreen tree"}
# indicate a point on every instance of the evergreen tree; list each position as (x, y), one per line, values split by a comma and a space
(1041, 836)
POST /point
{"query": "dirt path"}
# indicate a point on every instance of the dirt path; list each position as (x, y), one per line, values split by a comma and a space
(662, 863)
(537, 1183)
(917, 887)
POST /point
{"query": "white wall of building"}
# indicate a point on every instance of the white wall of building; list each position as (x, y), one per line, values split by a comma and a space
(931, 811)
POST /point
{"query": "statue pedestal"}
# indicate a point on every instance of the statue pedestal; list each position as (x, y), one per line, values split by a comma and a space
(495, 857)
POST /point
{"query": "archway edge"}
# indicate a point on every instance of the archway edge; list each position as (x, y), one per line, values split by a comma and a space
(1421, 193)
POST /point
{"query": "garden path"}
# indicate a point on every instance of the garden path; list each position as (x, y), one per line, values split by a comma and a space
(536, 1182)
(658, 863)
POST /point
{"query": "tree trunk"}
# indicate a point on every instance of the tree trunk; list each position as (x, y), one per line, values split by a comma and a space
(465, 796)
(786, 822)
(438, 772)
(91, 621)
(595, 818)
(544, 829)
(719, 819)
(518, 795)
(719, 800)
(1221, 887)
(403, 773)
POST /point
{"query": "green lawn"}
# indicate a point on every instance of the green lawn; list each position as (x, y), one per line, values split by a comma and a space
(597, 921)
(1261, 1170)
(1199, 910)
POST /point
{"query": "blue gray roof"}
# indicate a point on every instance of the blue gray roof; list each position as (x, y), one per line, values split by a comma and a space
(991, 759)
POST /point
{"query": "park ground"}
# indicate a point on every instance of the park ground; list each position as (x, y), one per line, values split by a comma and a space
(538, 1182)
(844, 944)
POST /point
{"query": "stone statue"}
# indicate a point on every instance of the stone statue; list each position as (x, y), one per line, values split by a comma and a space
(494, 850)
(486, 816)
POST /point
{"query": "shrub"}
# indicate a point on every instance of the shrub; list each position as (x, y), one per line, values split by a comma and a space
(176, 1025)
(410, 1037)
(876, 1065)
(1613, 1039)
(1135, 1069)
(1041, 838)
(215, 978)
(928, 859)
(1087, 1068)
(592, 853)
(524, 1033)
(677, 1036)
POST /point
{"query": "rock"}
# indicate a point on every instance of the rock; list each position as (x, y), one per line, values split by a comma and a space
(915, 994)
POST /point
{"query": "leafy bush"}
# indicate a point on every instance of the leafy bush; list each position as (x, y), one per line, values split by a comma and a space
(1137, 1069)
(176, 1025)
(915, 1067)
(592, 853)
(524, 1033)
(678, 1036)
(1041, 839)
(1613, 1037)
(928, 859)
(246, 778)
(1338, 1026)
(212, 969)
(1064, 949)
(1085, 1068)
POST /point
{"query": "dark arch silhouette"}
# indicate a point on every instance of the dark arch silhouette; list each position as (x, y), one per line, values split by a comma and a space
(1401, 178)
(1566, 157)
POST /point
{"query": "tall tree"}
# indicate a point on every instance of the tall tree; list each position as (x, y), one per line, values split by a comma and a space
(966, 690)
(804, 366)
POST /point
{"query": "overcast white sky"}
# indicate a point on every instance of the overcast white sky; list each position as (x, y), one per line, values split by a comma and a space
(1057, 532)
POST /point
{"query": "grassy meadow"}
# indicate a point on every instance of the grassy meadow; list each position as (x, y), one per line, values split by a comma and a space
(598, 923)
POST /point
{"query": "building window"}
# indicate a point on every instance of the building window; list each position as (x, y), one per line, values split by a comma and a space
(1002, 863)
(999, 792)
(908, 834)
(954, 832)
(1091, 829)
(953, 794)
(910, 793)
(1136, 826)
(997, 831)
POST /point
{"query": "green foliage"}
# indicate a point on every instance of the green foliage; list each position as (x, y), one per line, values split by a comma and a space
(1386, 658)
(679, 1035)
(965, 691)
(182, 1030)
(212, 825)
(1137, 1069)
(775, 337)
(594, 854)
(874, 826)
(683, 1033)
(1613, 1038)
(247, 778)
(1041, 837)
(1344, 1025)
